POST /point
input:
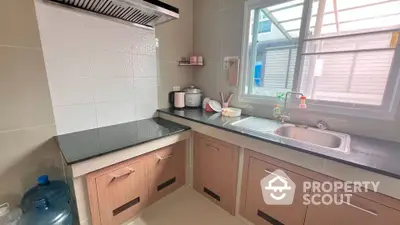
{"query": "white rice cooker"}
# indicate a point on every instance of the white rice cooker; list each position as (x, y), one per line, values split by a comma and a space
(192, 97)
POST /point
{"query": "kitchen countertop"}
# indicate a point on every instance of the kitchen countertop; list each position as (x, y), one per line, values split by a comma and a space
(371, 154)
(84, 145)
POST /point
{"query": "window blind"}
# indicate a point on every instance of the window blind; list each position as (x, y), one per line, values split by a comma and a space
(352, 77)
(279, 68)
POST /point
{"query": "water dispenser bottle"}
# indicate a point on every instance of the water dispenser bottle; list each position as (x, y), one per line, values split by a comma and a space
(48, 203)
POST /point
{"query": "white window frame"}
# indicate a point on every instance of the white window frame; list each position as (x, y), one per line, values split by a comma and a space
(391, 97)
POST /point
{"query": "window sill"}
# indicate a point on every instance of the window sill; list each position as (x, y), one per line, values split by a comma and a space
(258, 100)
(380, 114)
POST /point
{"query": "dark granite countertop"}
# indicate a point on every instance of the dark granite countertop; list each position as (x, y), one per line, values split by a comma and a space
(371, 154)
(84, 145)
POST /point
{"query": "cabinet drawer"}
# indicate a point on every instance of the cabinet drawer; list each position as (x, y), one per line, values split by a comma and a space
(357, 211)
(166, 170)
(121, 193)
(215, 171)
(257, 211)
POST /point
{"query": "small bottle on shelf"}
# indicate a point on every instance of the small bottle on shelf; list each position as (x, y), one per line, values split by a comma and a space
(193, 60)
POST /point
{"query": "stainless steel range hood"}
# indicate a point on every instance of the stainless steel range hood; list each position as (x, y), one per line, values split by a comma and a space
(143, 13)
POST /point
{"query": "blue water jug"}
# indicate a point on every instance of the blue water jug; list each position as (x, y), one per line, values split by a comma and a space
(48, 203)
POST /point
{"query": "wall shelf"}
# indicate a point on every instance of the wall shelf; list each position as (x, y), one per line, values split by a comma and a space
(188, 64)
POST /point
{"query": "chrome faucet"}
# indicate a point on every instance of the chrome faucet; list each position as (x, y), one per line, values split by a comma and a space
(285, 115)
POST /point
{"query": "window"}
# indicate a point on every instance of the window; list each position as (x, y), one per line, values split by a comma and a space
(343, 55)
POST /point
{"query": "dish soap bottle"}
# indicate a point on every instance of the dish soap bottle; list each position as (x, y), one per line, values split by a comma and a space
(303, 104)
(277, 111)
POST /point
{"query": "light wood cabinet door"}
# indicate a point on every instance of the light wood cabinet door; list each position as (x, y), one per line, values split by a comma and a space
(122, 193)
(257, 211)
(166, 170)
(366, 208)
(215, 171)
(357, 211)
(117, 193)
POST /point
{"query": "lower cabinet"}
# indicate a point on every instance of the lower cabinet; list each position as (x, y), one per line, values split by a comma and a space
(254, 207)
(117, 193)
(166, 171)
(364, 208)
(121, 192)
(215, 170)
(357, 211)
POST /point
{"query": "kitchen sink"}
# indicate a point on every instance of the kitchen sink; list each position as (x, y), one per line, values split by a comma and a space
(303, 137)
(315, 137)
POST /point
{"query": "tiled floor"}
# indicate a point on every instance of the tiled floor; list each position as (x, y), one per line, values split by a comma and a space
(185, 207)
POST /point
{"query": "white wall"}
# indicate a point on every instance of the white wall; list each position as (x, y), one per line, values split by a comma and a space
(100, 72)
(176, 40)
(218, 30)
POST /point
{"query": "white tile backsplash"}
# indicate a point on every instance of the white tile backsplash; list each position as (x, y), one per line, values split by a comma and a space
(144, 43)
(70, 90)
(145, 88)
(109, 113)
(65, 66)
(100, 72)
(107, 63)
(68, 33)
(146, 97)
(113, 89)
(145, 66)
(145, 108)
(109, 35)
(75, 118)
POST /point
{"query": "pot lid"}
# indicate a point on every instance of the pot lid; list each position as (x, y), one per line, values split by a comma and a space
(192, 90)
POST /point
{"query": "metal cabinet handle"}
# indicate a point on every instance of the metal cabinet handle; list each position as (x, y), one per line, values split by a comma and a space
(163, 158)
(270, 172)
(361, 209)
(210, 146)
(122, 175)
